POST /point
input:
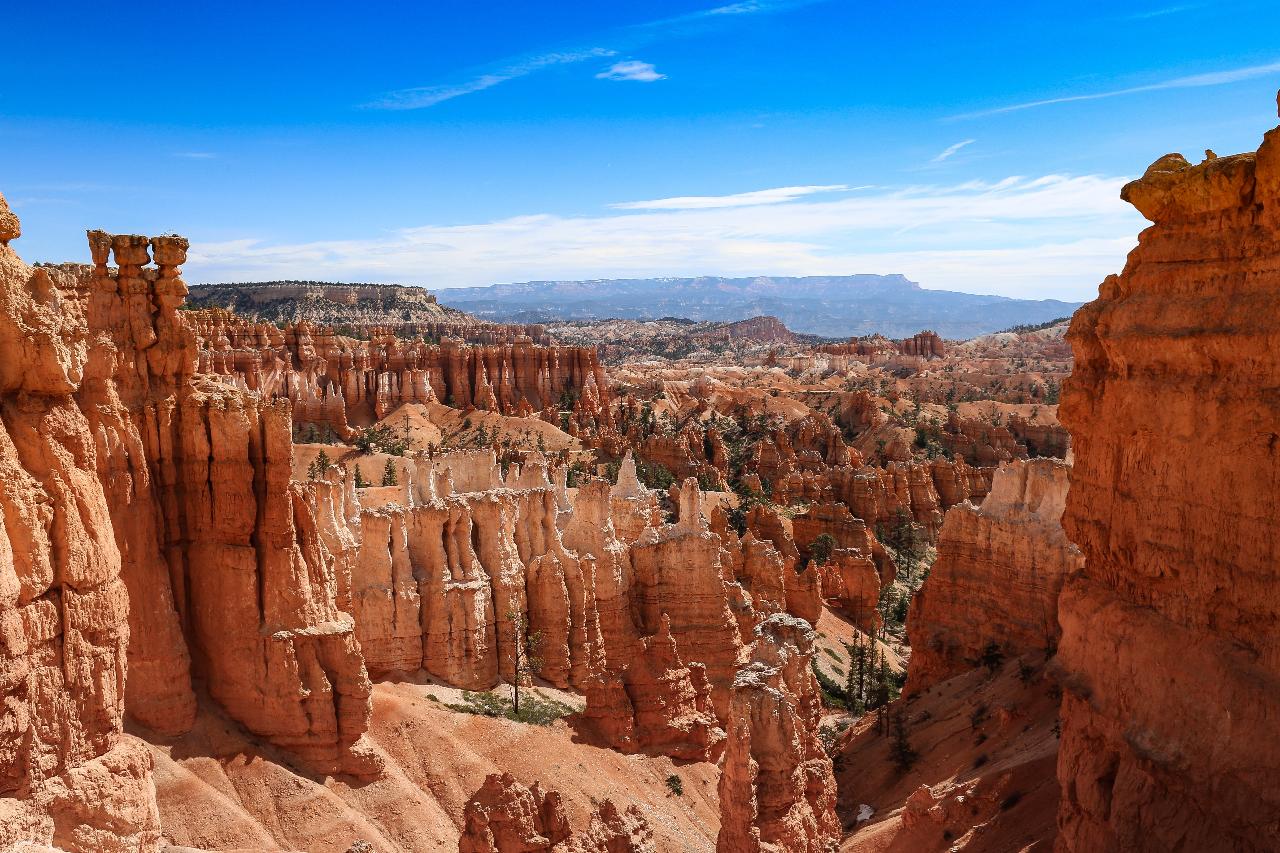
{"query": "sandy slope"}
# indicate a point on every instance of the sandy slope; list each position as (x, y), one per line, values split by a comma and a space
(219, 790)
(989, 751)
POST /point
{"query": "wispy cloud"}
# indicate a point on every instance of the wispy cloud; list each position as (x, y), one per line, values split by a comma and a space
(777, 195)
(611, 44)
(1049, 236)
(1160, 13)
(1213, 78)
(951, 149)
(195, 155)
(634, 70)
(428, 96)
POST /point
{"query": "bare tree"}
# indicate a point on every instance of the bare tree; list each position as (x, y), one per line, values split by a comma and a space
(525, 657)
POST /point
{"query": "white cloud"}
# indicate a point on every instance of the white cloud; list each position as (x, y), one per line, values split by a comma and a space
(777, 195)
(1050, 236)
(951, 149)
(639, 72)
(1195, 81)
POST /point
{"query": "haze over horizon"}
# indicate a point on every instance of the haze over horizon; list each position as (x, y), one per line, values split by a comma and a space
(506, 142)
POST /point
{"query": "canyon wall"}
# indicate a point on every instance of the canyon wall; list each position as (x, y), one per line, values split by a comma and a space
(993, 589)
(344, 382)
(1170, 651)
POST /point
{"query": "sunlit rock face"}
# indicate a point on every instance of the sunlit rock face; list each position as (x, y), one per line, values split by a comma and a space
(1170, 650)
(994, 586)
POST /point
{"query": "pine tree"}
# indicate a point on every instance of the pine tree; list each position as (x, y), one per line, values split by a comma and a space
(389, 477)
(318, 466)
(361, 482)
(903, 754)
(855, 687)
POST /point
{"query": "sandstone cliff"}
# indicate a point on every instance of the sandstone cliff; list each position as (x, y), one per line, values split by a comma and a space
(1170, 649)
(153, 527)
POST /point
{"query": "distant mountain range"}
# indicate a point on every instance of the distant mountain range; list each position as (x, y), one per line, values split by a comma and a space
(831, 306)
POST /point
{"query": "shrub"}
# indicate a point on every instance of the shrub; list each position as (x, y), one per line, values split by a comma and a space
(992, 656)
(675, 785)
(381, 438)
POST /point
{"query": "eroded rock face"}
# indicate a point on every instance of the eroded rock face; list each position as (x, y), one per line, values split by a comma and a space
(657, 704)
(1170, 648)
(336, 380)
(995, 583)
(152, 528)
(505, 816)
(777, 791)
(64, 609)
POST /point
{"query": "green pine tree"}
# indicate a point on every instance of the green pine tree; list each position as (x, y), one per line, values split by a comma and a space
(318, 466)
(389, 477)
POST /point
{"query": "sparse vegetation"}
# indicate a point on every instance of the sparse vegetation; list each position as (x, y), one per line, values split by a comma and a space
(821, 548)
(535, 710)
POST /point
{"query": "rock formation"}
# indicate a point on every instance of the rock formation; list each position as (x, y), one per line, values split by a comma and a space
(994, 586)
(657, 704)
(336, 381)
(1170, 650)
(505, 816)
(776, 787)
(152, 527)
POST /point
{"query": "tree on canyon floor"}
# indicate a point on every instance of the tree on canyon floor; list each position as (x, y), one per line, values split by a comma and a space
(525, 656)
(855, 688)
(389, 476)
(360, 481)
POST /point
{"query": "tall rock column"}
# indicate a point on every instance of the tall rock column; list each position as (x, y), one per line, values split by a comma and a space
(68, 776)
(777, 791)
(1171, 636)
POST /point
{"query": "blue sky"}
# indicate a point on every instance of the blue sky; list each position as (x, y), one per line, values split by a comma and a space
(468, 143)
